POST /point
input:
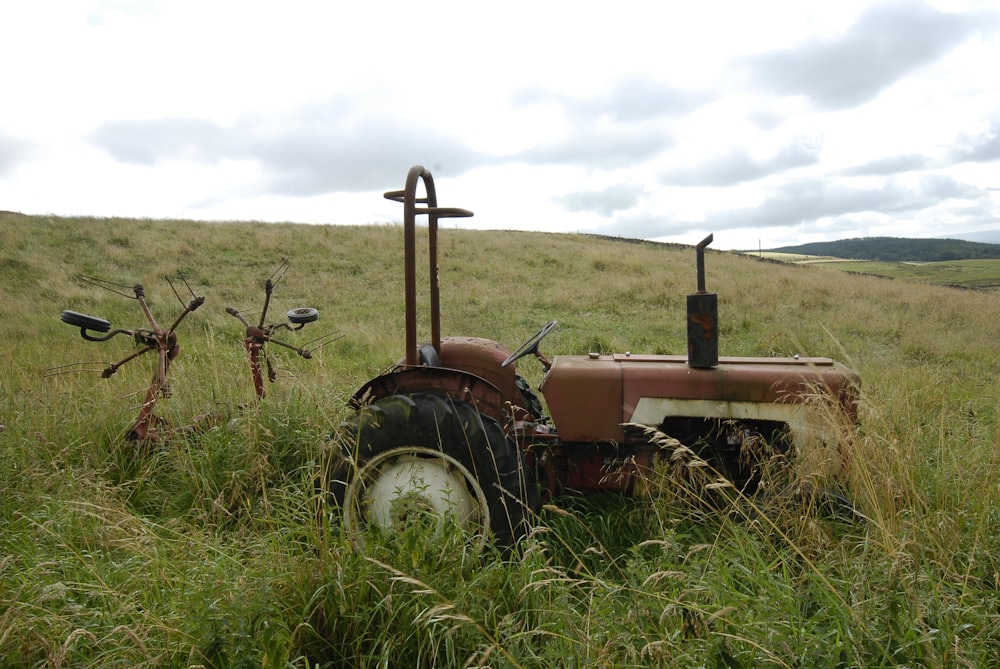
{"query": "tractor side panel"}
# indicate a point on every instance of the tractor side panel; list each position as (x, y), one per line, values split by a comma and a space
(589, 397)
(584, 397)
(739, 380)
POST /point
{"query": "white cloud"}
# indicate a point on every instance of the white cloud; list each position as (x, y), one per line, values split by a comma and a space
(886, 43)
(775, 122)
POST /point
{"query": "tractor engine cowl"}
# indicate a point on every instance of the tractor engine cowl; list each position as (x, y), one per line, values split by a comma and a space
(590, 397)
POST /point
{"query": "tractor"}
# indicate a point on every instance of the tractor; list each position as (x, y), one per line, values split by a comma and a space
(453, 431)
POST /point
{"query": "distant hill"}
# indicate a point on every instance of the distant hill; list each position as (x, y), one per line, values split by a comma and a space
(897, 249)
(987, 236)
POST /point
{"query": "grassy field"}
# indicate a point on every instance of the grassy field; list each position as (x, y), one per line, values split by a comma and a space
(983, 273)
(980, 274)
(207, 550)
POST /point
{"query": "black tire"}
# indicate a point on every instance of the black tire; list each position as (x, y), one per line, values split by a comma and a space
(86, 322)
(302, 315)
(432, 424)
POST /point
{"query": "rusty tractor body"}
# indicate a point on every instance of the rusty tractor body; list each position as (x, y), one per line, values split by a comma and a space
(427, 432)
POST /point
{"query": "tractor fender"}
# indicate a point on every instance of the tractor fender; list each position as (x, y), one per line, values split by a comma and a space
(456, 384)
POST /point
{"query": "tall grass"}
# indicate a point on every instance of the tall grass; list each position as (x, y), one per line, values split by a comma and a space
(208, 550)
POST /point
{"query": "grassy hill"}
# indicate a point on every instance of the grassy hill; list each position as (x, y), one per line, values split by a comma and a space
(208, 550)
(897, 249)
(983, 274)
(945, 262)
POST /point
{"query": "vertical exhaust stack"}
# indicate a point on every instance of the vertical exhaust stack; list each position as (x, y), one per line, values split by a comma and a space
(703, 319)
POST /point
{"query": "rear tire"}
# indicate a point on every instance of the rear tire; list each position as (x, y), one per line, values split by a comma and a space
(407, 454)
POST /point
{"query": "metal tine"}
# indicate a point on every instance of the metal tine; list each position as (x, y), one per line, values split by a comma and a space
(186, 285)
(269, 288)
(110, 285)
(276, 370)
(77, 367)
(328, 338)
(272, 370)
(279, 273)
(174, 290)
(135, 393)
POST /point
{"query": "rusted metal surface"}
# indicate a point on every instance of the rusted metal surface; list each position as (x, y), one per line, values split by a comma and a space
(475, 356)
(469, 371)
(708, 403)
(259, 334)
(154, 338)
(408, 196)
(456, 384)
(481, 357)
(590, 397)
(584, 397)
(606, 469)
(585, 468)
(703, 318)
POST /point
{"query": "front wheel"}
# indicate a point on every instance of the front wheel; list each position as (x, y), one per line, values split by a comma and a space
(302, 315)
(85, 321)
(422, 458)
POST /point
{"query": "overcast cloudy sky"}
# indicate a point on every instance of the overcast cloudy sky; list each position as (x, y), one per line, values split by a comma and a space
(768, 123)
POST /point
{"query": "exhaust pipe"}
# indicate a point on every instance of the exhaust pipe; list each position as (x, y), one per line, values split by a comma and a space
(703, 319)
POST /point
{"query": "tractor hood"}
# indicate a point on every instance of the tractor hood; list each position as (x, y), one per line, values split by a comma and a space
(590, 397)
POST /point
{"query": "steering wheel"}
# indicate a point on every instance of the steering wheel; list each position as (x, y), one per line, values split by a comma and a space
(530, 346)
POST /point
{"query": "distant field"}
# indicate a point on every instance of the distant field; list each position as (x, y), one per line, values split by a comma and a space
(983, 273)
(215, 549)
(798, 258)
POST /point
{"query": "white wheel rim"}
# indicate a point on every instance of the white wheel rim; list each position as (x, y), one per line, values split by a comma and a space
(415, 480)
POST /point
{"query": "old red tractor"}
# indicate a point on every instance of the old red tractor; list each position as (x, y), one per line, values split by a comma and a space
(453, 431)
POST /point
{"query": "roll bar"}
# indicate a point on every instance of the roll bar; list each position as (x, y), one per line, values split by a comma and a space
(408, 196)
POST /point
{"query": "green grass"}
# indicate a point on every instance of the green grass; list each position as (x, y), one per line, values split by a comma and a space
(979, 273)
(966, 273)
(208, 550)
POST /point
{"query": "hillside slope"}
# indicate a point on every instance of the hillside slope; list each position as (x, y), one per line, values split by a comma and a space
(208, 550)
(897, 249)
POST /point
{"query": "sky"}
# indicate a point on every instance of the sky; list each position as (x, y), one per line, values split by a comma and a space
(766, 123)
